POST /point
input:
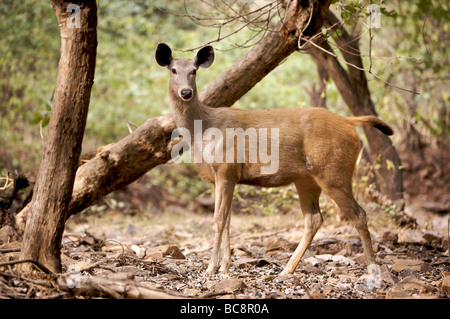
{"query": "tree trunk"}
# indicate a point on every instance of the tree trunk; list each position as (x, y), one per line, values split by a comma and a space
(149, 145)
(54, 184)
(354, 89)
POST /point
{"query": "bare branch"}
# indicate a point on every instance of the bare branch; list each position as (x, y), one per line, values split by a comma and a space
(258, 20)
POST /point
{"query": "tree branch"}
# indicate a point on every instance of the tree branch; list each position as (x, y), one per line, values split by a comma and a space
(150, 144)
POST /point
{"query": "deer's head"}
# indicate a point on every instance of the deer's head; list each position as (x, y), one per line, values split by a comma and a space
(183, 71)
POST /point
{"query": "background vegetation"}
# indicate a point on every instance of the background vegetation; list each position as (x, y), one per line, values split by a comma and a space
(410, 49)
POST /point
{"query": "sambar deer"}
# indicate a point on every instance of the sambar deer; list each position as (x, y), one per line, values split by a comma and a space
(317, 150)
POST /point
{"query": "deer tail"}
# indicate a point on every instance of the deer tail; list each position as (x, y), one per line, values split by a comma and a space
(371, 120)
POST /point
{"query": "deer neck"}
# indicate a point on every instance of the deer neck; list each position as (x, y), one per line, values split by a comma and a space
(186, 112)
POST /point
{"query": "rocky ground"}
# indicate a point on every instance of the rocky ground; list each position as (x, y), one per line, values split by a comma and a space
(165, 256)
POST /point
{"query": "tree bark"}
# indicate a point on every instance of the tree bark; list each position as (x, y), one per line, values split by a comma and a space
(54, 184)
(354, 89)
(150, 145)
(120, 287)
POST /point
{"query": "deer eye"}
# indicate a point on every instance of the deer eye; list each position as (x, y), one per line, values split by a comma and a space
(194, 72)
(174, 71)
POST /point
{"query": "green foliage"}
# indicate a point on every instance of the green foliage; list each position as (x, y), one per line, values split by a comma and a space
(410, 49)
(266, 201)
(177, 178)
(129, 86)
(29, 46)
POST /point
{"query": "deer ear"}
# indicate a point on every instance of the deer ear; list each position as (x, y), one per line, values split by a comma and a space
(205, 57)
(163, 54)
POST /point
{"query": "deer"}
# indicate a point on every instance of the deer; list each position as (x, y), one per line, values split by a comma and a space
(317, 152)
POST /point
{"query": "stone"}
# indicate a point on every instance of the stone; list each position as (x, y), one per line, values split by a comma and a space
(309, 268)
(408, 272)
(346, 250)
(168, 251)
(402, 264)
(278, 243)
(244, 262)
(360, 258)
(411, 287)
(410, 236)
(267, 278)
(120, 249)
(230, 285)
(291, 279)
(432, 236)
(387, 276)
(240, 252)
(388, 235)
(328, 257)
(139, 251)
(398, 295)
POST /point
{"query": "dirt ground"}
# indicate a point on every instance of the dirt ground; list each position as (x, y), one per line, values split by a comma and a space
(145, 242)
(168, 252)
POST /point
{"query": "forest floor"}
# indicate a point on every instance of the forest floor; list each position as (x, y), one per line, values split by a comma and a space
(146, 242)
(169, 252)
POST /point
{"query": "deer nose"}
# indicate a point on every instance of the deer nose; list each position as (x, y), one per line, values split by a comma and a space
(186, 94)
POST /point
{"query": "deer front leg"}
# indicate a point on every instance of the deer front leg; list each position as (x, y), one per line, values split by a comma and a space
(226, 250)
(224, 195)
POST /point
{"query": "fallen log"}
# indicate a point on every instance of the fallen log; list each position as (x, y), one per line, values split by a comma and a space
(118, 165)
(118, 288)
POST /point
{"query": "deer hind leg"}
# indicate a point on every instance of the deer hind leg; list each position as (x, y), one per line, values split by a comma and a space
(308, 193)
(343, 197)
(223, 196)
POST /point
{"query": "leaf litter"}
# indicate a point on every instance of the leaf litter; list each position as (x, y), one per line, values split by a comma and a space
(167, 260)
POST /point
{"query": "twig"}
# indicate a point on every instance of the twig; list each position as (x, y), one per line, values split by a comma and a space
(35, 262)
(237, 16)
(115, 241)
(8, 182)
(43, 283)
(41, 130)
(361, 69)
(225, 36)
(214, 294)
(94, 265)
(370, 50)
(9, 250)
(300, 46)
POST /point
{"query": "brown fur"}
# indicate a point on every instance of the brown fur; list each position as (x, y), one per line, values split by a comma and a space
(317, 151)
